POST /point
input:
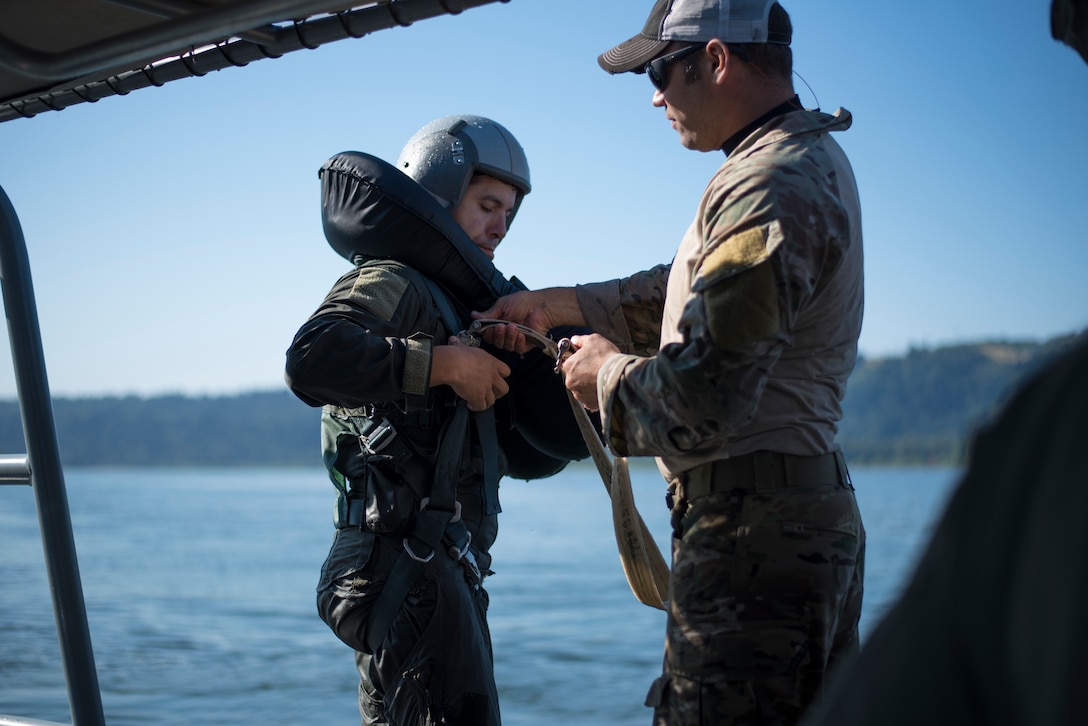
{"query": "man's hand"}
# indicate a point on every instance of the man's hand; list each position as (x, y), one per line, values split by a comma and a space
(540, 310)
(506, 337)
(581, 368)
(474, 374)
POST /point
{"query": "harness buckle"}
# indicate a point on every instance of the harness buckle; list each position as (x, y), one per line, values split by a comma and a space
(456, 553)
(563, 350)
(414, 556)
(379, 437)
(472, 570)
(470, 337)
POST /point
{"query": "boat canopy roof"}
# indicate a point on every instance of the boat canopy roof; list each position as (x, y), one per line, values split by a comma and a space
(63, 52)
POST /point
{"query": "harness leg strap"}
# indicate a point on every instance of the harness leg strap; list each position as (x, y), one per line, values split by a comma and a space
(427, 530)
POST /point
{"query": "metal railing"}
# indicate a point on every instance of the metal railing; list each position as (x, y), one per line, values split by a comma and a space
(41, 468)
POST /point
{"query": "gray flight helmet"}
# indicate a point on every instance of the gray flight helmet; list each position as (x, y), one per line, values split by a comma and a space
(444, 155)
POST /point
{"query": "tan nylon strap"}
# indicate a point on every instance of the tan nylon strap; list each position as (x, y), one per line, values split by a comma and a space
(643, 565)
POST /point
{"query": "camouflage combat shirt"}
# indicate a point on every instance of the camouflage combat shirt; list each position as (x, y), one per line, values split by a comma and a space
(746, 340)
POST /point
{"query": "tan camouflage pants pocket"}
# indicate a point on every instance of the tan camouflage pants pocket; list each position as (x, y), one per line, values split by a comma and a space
(765, 594)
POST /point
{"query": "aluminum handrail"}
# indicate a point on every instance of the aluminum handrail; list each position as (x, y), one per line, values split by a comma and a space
(43, 467)
(14, 469)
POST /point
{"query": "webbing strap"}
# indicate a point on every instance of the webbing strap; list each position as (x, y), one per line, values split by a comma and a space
(427, 529)
(643, 564)
(432, 522)
(442, 302)
(484, 422)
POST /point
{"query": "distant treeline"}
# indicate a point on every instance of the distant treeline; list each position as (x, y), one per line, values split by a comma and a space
(920, 408)
(254, 429)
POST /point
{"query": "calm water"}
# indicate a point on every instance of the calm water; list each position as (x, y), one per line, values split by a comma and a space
(199, 586)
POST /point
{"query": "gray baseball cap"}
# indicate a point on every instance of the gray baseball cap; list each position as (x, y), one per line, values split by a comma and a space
(731, 21)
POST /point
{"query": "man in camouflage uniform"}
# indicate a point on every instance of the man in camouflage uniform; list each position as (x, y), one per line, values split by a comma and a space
(729, 366)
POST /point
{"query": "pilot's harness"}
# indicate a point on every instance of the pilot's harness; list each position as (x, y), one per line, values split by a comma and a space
(439, 517)
(645, 568)
(438, 521)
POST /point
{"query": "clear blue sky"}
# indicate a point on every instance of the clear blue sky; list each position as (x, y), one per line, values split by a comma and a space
(175, 236)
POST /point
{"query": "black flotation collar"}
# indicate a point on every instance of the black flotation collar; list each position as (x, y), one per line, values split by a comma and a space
(372, 210)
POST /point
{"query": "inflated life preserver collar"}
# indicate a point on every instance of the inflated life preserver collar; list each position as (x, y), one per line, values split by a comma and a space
(371, 210)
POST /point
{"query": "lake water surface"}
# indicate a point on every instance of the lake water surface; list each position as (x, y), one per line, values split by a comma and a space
(200, 594)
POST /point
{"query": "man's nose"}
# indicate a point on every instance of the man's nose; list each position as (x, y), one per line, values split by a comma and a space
(496, 230)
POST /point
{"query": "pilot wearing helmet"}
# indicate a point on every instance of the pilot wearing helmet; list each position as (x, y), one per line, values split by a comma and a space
(418, 427)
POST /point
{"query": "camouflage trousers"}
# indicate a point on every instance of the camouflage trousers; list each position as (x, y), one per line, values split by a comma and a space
(765, 596)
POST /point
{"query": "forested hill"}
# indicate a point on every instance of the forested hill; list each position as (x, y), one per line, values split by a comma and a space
(922, 408)
(916, 409)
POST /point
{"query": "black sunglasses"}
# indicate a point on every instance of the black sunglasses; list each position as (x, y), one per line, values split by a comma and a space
(658, 68)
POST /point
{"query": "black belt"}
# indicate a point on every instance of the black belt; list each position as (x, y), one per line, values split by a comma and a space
(765, 471)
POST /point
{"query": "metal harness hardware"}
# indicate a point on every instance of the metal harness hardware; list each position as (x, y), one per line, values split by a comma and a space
(378, 437)
(563, 349)
(453, 549)
(473, 335)
(413, 555)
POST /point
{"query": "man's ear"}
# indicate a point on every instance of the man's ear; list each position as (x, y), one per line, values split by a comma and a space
(719, 60)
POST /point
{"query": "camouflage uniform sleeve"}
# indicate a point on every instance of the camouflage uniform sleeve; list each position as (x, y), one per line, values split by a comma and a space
(696, 393)
(627, 311)
(369, 342)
